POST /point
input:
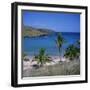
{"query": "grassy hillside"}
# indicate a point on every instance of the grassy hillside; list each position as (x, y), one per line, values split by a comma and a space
(33, 32)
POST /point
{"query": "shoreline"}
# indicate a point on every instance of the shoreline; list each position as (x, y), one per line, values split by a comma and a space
(31, 62)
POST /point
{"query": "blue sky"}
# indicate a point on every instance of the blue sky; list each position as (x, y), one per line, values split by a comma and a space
(60, 22)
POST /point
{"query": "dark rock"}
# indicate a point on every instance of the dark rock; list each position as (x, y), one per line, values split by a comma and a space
(35, 66)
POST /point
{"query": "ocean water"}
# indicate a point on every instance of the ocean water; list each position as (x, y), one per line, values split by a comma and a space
(31, 46)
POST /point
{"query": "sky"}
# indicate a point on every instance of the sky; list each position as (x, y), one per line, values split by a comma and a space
(59, 22)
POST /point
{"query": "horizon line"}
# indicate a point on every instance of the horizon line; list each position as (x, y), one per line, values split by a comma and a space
(47, 29)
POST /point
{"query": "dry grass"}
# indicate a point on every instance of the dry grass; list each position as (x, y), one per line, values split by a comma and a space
(63, 68)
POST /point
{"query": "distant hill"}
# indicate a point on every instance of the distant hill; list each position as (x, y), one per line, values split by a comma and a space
(28, 31)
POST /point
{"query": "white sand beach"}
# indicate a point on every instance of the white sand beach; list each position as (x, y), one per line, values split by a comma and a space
(28, 64)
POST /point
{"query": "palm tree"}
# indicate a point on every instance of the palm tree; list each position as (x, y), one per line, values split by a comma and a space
(42, 57)
(72, 52)
(59, 41)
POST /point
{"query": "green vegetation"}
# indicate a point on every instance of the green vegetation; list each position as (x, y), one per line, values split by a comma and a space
(72, 52)
(59, 41)
(42, 57)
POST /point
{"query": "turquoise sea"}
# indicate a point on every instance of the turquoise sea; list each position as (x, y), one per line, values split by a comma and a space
(31, 45)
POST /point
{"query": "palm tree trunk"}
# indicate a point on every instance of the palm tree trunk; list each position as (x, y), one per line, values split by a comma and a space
(60, 54)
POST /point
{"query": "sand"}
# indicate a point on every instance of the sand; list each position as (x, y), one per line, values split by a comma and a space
(28, 64)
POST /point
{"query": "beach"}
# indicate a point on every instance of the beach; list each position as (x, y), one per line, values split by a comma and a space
(52, 68)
